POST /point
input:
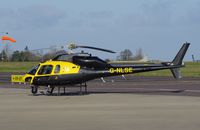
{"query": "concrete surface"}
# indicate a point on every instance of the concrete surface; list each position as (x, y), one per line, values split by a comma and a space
(19, 110)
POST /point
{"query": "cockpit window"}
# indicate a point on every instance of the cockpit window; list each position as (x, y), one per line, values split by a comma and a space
(33, 70)
(45, 69)
(57, 69)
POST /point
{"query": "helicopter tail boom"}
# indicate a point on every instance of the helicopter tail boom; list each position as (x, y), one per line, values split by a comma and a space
(174, 66)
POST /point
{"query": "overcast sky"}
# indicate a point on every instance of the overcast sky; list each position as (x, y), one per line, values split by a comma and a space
(159, 27)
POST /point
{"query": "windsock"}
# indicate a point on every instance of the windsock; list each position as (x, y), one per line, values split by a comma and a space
(8, 39)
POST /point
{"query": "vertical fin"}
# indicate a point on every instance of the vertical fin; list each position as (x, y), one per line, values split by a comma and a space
(180, 55)
(178, 61)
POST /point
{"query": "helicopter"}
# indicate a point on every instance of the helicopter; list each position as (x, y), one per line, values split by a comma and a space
(70, 69)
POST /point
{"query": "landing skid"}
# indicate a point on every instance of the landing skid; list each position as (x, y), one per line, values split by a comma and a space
(81, 87)
(49, 89)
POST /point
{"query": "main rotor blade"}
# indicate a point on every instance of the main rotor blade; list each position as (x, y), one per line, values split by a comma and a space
(95, 48)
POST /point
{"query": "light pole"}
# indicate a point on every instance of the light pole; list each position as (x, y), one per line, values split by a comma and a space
(2, 47)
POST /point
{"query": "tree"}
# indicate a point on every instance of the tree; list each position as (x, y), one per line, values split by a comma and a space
(125, 55)
(16, 56)
(138, 55)
(52, 54)
(3, 56)
(24, 56)
(27, 55)
(26, 48)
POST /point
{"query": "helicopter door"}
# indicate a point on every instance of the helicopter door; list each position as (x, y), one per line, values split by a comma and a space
(44, 75)
(45, 69)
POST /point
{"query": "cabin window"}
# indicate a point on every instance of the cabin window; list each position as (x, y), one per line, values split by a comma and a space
(57, 69)
(33, 70)
(45, 69)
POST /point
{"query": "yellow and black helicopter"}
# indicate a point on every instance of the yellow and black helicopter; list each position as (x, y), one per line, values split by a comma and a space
(78, 68)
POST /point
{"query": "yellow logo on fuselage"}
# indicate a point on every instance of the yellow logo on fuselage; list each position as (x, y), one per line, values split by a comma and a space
(121, 70)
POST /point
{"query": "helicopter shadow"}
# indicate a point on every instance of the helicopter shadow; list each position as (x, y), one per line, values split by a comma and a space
(152, 92)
